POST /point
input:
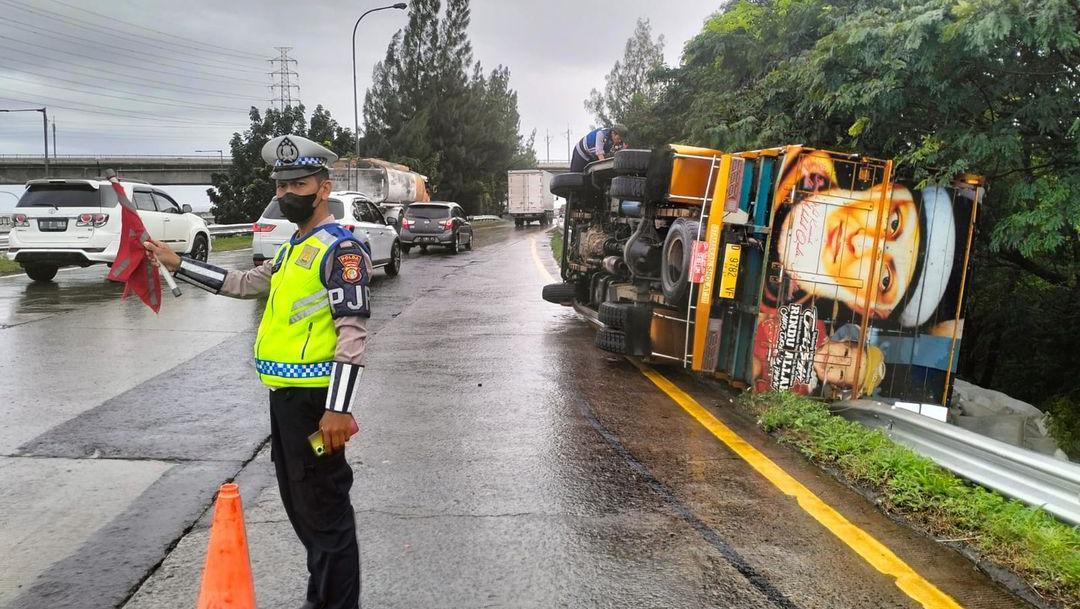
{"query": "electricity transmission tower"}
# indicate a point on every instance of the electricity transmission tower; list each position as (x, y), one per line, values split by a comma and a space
(284, 75)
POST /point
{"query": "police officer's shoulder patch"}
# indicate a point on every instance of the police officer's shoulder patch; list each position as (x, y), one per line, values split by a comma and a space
(347, 280)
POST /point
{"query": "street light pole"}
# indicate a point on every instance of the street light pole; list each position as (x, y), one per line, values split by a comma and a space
(355, 104)
(45, 125)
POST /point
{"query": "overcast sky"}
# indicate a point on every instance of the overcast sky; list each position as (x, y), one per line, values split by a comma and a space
(168, 77)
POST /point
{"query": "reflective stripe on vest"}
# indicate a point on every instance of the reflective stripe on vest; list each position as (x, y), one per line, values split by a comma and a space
(296, 341)
(585, 146)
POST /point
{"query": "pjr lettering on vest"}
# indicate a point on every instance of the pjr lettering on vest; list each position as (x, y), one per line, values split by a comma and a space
(337, 296)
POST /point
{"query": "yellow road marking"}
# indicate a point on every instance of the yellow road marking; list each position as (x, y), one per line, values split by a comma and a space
(540, 263)
(871, 550)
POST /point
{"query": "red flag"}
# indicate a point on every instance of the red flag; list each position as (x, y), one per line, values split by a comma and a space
(131, 265)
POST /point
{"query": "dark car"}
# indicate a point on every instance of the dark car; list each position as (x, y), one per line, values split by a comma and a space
(435, 223)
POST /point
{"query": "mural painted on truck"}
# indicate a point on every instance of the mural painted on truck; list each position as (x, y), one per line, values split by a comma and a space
(864, 284)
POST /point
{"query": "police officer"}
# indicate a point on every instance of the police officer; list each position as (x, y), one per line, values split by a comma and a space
(597, 145)
(309, 351)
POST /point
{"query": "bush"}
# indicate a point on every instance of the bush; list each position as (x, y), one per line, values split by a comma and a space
(1064, 422)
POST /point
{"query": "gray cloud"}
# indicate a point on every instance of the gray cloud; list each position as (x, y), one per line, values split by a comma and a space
(557, 51)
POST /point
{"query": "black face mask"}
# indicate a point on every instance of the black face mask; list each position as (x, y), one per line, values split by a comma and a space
(297, 208)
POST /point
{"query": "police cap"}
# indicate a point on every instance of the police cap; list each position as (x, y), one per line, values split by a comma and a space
(294, 157)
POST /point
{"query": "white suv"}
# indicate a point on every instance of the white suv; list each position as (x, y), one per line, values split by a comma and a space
(77, 223)
(353, 210)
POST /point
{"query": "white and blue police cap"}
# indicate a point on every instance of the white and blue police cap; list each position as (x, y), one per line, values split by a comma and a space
(937, 255)
(292, 157)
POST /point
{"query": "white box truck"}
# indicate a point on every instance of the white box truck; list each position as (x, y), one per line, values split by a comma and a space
(529, 197)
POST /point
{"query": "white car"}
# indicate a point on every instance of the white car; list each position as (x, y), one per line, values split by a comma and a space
(77, 223)
(353, 210)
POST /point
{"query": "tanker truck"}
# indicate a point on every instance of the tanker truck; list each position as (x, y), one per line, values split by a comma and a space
(782, 269)
(391, 186)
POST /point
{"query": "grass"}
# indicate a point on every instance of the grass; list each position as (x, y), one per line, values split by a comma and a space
(228, 244)
(9, 267)
(1026, 540)
(556, 244)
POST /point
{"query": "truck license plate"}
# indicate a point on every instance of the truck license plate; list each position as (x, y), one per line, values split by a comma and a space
(729, 274)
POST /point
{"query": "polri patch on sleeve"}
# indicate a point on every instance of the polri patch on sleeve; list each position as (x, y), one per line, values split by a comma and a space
(350, 267)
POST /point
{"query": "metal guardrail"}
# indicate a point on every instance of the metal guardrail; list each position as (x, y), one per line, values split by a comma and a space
(216, 230)
(1014, 472)
(223, 230)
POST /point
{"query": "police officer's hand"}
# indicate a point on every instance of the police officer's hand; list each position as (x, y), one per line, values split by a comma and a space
(163, 252)
(335, 427)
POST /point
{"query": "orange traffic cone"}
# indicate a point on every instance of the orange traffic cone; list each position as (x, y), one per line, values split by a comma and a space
(226, 580)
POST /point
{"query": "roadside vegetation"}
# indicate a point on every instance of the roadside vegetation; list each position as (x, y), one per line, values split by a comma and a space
(228, 244)
(865, 77)
(9, 267)
(556, 244)
(1026, 540)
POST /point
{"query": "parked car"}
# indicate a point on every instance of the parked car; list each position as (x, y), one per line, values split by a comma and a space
(436, 223)
(77, 223)
(353, 210)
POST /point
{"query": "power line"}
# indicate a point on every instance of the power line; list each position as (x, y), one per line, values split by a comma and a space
(93, 109)
(141, 98)
(142, 82)
(113, 20)
(111, 31)
(284, 85)
(134, 52)
(111, 65)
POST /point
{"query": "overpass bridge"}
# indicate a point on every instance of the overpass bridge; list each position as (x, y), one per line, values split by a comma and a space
(160, 170)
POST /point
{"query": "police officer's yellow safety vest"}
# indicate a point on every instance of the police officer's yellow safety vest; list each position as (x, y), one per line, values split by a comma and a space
(297, 339)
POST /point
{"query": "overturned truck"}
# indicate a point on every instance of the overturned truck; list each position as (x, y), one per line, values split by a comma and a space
(788, 268)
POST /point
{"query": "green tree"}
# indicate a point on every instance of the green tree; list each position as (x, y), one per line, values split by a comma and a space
(633, 87)
(943, 86)
(241, 194)
(326, 131)
(432, 107)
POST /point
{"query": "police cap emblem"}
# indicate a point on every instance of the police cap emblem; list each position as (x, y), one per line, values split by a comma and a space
(287, 152)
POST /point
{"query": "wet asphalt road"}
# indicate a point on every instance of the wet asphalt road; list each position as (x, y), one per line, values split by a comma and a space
(503, 460)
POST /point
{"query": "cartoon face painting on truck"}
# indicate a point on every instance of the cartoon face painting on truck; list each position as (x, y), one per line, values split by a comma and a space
(788, 269)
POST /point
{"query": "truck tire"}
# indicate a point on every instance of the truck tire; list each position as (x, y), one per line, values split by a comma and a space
(614, 314)
(632, 161)
(566, 184)
(612, 341)
(560, 293)
(675, 260)
(631, 188)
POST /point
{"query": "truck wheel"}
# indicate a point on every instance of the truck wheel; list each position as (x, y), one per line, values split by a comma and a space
(40, 272)
(614, 314)
(566, 184)
(631, 188)
(632, 161)
(405, 248)
(560, 293)
(675, 259)
(612, 341)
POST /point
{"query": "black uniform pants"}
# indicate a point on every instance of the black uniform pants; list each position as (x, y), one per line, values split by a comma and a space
(315, 491)
(578, 162)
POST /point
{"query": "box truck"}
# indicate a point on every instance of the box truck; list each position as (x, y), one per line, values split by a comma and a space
(529, 197)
